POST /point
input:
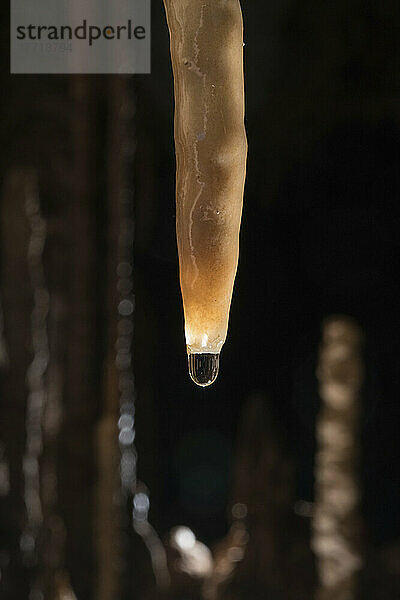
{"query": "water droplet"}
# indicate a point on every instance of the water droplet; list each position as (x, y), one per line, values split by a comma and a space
(183, 538)
(27, 543)
(203, 368)
(126, 437)
(125, 308)
(141, 506)
(124, 269)
(239, 510)
(126, 422)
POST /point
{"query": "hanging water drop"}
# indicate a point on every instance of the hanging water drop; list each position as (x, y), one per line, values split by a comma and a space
(203, 368)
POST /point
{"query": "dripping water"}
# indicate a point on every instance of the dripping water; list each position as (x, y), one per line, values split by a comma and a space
(203, 368)
(133, 491)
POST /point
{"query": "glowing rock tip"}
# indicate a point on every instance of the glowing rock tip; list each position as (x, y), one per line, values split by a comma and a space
(211, 150)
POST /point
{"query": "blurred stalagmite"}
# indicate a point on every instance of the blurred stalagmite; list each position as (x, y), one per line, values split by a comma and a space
(336, 522)
(42, 539)
(111, 521)
(122, 502)
(266, 549)
(3, 345)
(189, 564)
(63, 589)
(37, 392)
(17, 306)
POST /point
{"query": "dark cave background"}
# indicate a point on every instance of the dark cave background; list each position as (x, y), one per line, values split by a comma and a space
(319, 237)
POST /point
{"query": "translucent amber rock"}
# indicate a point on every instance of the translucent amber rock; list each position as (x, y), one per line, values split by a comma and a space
(211, 150)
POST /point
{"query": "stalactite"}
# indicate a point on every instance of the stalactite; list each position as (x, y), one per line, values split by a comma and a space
(336, 521)
(211, 149)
